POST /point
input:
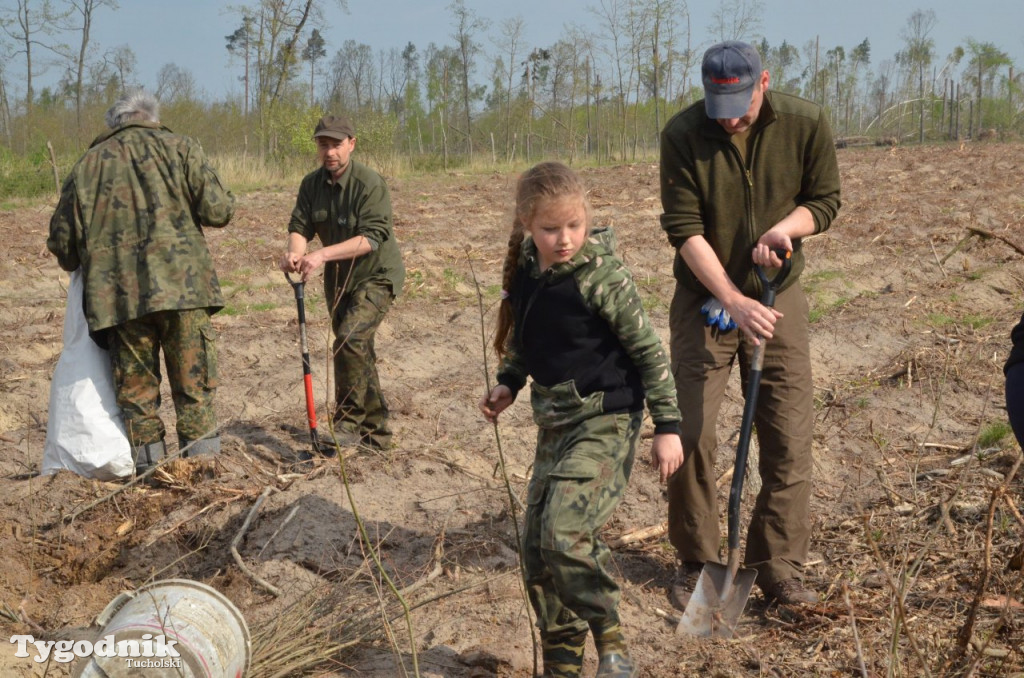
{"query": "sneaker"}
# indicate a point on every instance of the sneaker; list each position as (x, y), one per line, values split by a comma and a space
(615, 666)
(789, 592)
(684, 584)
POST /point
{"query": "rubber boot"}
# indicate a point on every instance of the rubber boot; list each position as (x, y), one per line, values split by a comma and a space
(613, 658)
(563, 653)
(198, 448)
(147, 456)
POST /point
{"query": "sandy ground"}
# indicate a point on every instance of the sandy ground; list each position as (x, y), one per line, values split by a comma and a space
(917, 496)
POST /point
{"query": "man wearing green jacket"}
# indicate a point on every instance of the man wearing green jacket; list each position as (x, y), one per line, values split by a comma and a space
(347, 206)
(131, 214)
(744, 172)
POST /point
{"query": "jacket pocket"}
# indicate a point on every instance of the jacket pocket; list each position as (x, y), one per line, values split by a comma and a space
(209, 335)
(319, 217)
(562, 405)
(379, 295)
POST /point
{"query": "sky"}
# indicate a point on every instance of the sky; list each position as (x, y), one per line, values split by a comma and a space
(191, 33)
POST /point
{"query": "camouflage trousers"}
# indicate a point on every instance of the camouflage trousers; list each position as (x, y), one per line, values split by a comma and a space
(360, 408)
(579, 477)
(188, 341)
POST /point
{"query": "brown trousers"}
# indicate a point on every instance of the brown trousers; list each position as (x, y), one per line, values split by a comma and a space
(780, 528)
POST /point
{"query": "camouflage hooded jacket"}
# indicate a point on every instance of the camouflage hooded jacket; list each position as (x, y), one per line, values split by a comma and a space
(131, 214)
(582, 335)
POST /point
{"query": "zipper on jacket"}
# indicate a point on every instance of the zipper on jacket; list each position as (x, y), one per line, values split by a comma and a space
(751, 223)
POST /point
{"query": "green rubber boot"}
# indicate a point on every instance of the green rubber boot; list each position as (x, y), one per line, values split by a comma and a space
(613, 657)
(563, 654)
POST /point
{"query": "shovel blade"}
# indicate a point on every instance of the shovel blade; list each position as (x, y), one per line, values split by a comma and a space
(717, 602)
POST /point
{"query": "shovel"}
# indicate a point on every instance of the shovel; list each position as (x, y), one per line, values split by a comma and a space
(722, 590)
(323, 448)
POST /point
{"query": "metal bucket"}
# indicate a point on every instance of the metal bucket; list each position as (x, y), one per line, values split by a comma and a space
(208, 632)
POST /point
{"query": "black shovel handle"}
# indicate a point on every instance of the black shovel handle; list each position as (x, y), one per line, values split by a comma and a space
(770, 286)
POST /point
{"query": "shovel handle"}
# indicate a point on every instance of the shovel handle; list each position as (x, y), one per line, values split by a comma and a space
(769, 288)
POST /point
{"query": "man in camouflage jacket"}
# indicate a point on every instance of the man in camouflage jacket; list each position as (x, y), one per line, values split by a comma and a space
(131, 215)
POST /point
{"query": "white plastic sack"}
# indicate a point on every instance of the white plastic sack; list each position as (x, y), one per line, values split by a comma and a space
(85, 431)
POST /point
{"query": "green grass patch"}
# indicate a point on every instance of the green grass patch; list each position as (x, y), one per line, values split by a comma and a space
(243, 309)
(993, 435)
(415, 283)
(975, 321)
(819, 312)
(940, 319)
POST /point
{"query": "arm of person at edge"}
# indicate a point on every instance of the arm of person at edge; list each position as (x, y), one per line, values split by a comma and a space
(295, 259)
(752, 318)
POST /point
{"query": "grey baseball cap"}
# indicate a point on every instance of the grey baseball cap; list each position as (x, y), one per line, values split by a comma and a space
(730, 70)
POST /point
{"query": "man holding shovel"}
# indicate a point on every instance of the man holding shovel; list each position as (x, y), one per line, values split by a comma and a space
(347, 205)
(745, 173)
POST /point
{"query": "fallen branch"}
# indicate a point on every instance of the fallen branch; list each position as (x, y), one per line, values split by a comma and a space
(163, 533)
(639, 534)
(936, 255)
(963, 638)
(267, 586)
(856, 635)
(287, 519)
(989, 234)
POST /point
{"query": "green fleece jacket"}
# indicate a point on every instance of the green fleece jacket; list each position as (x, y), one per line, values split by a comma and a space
(706, 189)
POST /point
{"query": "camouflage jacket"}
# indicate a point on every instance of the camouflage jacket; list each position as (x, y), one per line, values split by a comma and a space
(582, 335)
(131, 215)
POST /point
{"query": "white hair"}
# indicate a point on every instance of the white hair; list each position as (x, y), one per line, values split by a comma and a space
(137, 105)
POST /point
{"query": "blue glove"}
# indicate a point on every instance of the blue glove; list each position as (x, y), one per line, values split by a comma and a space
(715, 315)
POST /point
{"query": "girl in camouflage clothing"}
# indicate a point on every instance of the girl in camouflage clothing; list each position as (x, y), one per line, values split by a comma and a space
(571, 319)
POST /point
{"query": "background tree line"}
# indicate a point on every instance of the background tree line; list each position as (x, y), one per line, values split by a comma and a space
(486, 96)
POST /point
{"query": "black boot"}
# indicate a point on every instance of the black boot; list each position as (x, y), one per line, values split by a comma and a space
(563, 653)
(198, 448)
(147, 456)
(613, 658)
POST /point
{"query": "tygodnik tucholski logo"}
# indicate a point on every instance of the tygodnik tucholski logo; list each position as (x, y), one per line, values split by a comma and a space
(147, 652)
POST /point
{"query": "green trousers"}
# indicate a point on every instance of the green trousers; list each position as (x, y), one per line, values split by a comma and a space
(579, 477)
(360, 407)
(780, 528)
(188, 341)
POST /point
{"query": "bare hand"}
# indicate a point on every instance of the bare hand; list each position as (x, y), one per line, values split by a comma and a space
(310, 263)
(666, 454)
(753, 318)
(764, 254)
(290, 262)
(494, 403)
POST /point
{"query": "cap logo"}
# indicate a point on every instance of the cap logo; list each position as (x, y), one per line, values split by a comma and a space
(725, 81)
